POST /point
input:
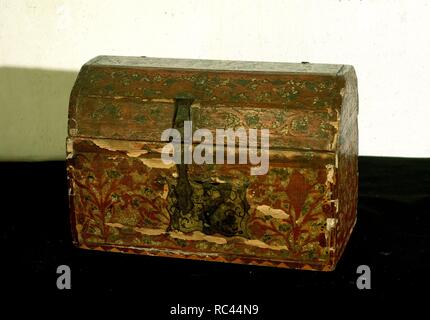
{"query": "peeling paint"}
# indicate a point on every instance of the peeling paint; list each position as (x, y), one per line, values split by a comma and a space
(196, 236)
(150, 232)
(330, 173)
(158, 163)
(163, 100)
(218, 180)
(331, 223)
(275, 213)
(115, 225)
(336, 204)
(134, 149)
(261, 244)
(69, 149)
(144, 231)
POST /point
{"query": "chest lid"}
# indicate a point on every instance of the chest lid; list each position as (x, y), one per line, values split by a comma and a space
(137, 98)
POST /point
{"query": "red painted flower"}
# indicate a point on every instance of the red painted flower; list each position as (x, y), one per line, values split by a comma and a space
(297, 191)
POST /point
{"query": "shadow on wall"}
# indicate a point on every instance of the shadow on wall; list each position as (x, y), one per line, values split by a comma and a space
(33, 113)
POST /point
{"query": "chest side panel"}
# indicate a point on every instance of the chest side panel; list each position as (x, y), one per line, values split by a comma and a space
(347, 160)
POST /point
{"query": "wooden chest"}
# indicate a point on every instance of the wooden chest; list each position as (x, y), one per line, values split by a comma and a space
(285, 198)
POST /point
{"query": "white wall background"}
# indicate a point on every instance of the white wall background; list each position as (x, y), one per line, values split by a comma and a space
(388, 42)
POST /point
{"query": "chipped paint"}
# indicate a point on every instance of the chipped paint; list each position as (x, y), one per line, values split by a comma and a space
(158, 163)
(336, 204)
(144, 231)
(69, 148)
(115, 225)
(197, 236)
(217, 180)
(331, 223)
(261, 244)
(275, 213)
(150, 232)
(330, 173)
(163, 100)
(133, 148)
